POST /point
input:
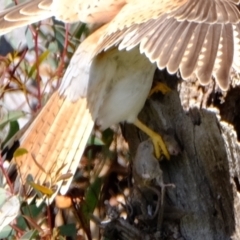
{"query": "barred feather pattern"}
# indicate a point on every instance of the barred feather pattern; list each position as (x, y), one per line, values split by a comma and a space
(95, 11)
(198, 37)
(24, 14)
(56, 141)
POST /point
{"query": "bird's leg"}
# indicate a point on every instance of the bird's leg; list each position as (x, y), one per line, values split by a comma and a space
(159, 87)
(158, 143)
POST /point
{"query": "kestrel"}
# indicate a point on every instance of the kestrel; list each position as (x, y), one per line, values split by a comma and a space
(110, 74)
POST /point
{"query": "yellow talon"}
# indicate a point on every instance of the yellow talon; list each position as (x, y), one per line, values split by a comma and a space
(158, 143)
(159, 146)
(160, 87)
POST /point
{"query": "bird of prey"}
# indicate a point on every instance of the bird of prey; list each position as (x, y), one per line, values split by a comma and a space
(110, 74)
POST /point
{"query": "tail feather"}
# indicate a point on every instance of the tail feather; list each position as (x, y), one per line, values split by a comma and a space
(38, 131)
(82, 135)
(57, 139)
(54, 143)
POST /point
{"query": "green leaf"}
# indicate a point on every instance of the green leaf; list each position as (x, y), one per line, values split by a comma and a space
(44, 190)
(6, 232)
(59, 35)
(91, 196)
(53, 47)
(107, 136)
(21, 223)
(93, 140)
(32, 234)
(41, 58)
(29, 210)
(29, 38)
(14, 128)
(33, 210)
(11, 116)
(87, 207)
(80, 30)
(33, 223)
(19, 152)
(68, 230)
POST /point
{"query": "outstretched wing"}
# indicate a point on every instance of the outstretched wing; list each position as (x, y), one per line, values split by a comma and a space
(196, 37)
(24, 14)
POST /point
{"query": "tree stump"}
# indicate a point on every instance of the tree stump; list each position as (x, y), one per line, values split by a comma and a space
(205, 203)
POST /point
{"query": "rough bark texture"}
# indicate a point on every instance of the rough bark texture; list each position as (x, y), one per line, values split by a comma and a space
(205, 203)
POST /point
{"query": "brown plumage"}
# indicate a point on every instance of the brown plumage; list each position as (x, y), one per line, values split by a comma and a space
(32, 11)
(196, 37)
(53, 137)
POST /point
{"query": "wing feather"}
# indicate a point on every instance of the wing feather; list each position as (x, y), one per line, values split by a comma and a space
(191, 55)
(180, 48)
(161, 36)
(208, 54)
(225, 56)
(24, 14)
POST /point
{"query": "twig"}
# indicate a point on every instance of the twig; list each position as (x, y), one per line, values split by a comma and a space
(6, 175)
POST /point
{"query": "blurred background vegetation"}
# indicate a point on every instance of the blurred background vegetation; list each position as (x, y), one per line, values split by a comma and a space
(33, 60)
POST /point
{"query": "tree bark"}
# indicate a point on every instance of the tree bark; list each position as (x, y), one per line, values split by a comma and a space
(205, 203)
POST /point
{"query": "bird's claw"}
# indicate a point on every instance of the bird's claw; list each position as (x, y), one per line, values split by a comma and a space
(159, 146)
(160, 87)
